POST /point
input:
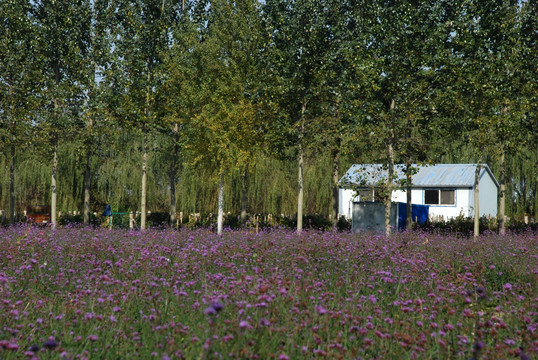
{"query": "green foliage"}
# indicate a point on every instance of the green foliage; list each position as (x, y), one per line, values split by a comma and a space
(246, 83)
(459, 225)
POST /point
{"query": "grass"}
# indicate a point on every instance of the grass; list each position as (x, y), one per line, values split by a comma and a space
(92, 293)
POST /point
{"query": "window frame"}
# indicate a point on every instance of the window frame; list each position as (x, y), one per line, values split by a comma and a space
(439, 197)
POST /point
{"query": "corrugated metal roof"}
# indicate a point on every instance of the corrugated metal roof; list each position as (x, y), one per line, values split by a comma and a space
(439, 175)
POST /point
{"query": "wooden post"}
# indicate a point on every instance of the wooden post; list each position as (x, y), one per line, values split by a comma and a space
(257, 220)
(131, 220)
(110, 221)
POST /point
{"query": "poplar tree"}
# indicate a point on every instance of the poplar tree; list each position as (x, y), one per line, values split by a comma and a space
(19, 79)
(142, 35)
(496, 84)
(216, 77)
(63, 35)
(97, 122)
(298, 34)
(409, 47)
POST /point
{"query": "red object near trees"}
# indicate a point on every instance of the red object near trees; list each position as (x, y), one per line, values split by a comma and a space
(38, 214)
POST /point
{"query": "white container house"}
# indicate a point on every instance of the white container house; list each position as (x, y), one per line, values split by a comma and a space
(448, 189)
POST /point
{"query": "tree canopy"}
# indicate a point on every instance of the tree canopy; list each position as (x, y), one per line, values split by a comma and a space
(165, 105)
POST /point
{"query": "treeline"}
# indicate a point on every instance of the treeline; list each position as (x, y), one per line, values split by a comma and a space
(217, 106)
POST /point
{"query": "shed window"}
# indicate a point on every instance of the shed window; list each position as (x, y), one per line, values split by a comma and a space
(366, 195)
(439, 197)
(369, 194)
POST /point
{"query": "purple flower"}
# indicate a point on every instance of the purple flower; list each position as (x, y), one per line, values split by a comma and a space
(243, 324)
(34, 348)
(93, 337)
(479, 345)
(214, 308)
(481, 292)
(50, 344)
(507, 287)
(10, 346)
(210, 311)
(217, 306)
(321, 310)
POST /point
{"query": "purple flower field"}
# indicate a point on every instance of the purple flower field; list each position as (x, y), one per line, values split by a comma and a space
(96, 294)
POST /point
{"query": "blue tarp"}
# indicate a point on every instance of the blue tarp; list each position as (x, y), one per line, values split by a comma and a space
(108, 211)
(418, 212)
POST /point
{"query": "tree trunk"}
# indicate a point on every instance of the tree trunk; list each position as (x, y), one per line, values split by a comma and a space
(300, 182)
(220, 213)
(244, 195)
(144, 187)
(87, 175)
(476, 231)
(336, 177)
(53, 186)
(390, 180)
(408, 204)
(523, 190)
(301, 191)
(388, 195)
(12, 186)
(172, 177)
(147, 111)
(87, 187)
(502, 194)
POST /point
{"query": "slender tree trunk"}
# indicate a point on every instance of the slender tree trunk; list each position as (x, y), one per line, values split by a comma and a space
(523, 190)
(476, 231)
(300, 182)
(53, 186)
(87, 187)
(336, 177)
(220, 213)
(173, 175)
(390, 180)
(144, 185)
(53, 183)
(12, 186)
(244, 195)
(336, 170)
(143, 200)
(502, 194)
(301, 191)
(388, 196)
(87, 177)
(408, 204)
